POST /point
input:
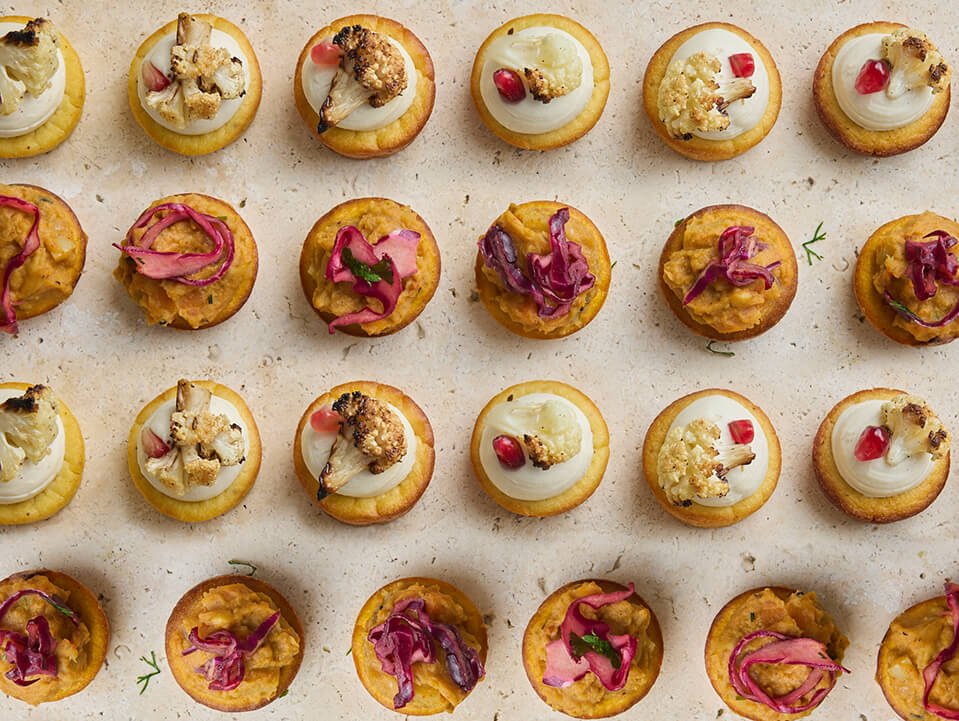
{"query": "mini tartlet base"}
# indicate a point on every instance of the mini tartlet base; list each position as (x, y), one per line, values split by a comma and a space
(222, 136)
(613, 702)
(64, 224)
(361, 144)
(61, 490)
(879, 314)
(579, 491)
(181, 666)
(243, 269)
(194, 511)
(517, 313)
(879, 143)
(85, 604)
(394, 502)
(381, 686)
(848, 499)
(701, 148)
(64, 119)
(418, 290)
(786, 274)
(710, 516)
(575, 128)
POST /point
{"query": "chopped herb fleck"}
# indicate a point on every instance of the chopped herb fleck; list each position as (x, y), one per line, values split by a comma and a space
(613, 265)
(727, 353)
(349, 651)
(752, 616)
(235, 562)
(285, 692)
(209, 299)
(818, 234)
(145, 678)
(678, 222)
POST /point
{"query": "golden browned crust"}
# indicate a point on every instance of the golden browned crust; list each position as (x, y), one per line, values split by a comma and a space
(187, 307)
(61, 124)
(575, 128)
(879, 143)
(402, 131)
(579, 491)
(527, 224)
(398, 500)
(719, 645)
(216, 139)
(879, 314)
(62, 489)
(710, 516)
(174, 644)
(445, 604)
(700, 148)
(374, 217)
(787, 274)
(613, 702)
(848, 499)
(194, 511)
(85, 604)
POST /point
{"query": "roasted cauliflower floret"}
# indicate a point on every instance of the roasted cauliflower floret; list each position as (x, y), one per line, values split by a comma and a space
(371, 70)
(556, 68)
(690, 98)
(914, 429)
(29, 422)
(28, 60)
(692, 463)
(557, 436)
(915, 62)
(371, 438)
(11, 459)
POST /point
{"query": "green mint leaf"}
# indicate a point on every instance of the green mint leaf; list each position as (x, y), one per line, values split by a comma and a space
(370, 273)
(591, 642)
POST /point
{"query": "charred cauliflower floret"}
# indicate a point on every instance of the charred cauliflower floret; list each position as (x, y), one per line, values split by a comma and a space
(371, 70)
(11, 459)
(914, 429)
(203, 76)
(693, 464)
(557, 436)
(201, 442)
(28, 60)
(915, 62)
(556, 67)
(690, 98)
(29, 422)
(371, 438)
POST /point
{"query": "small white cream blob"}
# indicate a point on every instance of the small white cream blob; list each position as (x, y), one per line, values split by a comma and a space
(316, 81)
(160, 57)
(159, 423)
(33, 478)
(529, 483)
(530, 116)
(315, 448)
(876, 478)
(875, 111)
(722, 410)
(34, 111)
(744, 115)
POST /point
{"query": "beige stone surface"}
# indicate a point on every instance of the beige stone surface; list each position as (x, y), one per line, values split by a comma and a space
(633, 360)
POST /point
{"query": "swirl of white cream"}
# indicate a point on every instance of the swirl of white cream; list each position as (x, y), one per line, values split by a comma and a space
(33, 478)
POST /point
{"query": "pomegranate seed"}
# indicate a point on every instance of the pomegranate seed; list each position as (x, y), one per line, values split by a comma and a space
(326, 54)
(742, 64)
(509, 452)
(742, 431)
(326, 420)
(873, 77)
(510, 85)
(872, 443)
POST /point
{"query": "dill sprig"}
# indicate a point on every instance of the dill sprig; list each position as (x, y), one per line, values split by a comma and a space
(145, 678)
(726, 353)
(818, 234)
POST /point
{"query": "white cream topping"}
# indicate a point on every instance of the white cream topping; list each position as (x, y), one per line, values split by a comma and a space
(875, 111)
(721, 409)
(744, 115)
(159, 423)
(316, 452)
(530, 116)
(32, 478)
(877, 478)
(529, 483)
(34, 111)
(317, 80)
(160, 57)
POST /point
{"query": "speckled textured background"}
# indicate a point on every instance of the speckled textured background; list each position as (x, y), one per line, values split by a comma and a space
(635, 358)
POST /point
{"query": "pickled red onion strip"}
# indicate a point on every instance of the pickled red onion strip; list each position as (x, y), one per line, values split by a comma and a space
(931, 263)
(736, 246)
(931, 672)
(170, 265)
(33, 654)
(902, 310)
(226, 667)
(8, 322)
(790, 651)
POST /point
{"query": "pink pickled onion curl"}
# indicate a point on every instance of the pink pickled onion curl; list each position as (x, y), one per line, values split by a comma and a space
(34, 654)
(736, 246)
(929, 264)
(226, 667)
(931, 672)
(8, 323)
